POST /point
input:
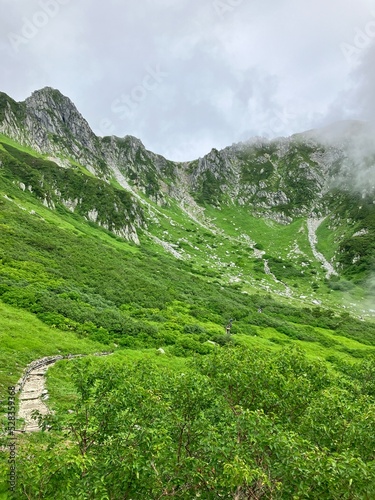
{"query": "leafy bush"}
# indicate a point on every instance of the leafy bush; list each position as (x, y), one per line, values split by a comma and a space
(236, 422)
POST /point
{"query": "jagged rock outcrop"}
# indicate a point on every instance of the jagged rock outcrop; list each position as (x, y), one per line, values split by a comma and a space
(143, 170)
(49, 123)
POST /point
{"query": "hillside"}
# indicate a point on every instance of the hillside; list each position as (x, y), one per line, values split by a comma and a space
(107, 246)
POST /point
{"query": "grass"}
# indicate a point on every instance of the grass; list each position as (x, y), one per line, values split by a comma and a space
(327, 240)
(327, 343)
(25, 149)
(24, 338)
(139, 286)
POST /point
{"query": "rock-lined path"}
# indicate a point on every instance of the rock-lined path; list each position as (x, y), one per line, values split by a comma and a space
(32, 398)
(32, 389)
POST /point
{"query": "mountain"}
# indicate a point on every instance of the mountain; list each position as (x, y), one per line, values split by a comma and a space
(323, 177)
(235, 294)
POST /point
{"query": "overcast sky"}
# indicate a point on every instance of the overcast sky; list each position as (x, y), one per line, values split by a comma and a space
(185, 76)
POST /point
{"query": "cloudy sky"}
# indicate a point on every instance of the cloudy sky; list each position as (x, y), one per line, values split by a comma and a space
(188, 75)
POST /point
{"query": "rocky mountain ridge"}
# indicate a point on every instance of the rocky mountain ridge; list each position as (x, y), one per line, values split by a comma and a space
(317, 174)
(282, 178)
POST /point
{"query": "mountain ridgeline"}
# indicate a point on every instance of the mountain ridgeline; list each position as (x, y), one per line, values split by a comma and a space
(48, 149)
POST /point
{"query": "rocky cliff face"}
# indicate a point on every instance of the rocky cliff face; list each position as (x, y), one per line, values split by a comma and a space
(279, 179)
(49, 123)
(137, 169)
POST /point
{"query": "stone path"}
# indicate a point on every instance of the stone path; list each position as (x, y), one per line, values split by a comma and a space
(32, 398)
(32, 389)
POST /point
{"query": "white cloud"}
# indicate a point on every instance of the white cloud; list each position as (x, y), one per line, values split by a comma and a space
(254, 68)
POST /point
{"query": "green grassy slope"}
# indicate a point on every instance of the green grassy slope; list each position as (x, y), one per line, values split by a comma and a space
(24, 338)
(69, 286)
(79, 278)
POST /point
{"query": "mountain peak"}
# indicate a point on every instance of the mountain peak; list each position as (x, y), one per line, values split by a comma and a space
(50, 98)
(48, 91)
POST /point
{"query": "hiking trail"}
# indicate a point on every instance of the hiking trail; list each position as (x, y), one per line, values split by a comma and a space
(32, 389)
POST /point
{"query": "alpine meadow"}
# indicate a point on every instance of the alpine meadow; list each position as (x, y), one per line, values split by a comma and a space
(231, 300)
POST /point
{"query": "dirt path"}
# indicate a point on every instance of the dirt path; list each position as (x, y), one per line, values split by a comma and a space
(32, 389)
